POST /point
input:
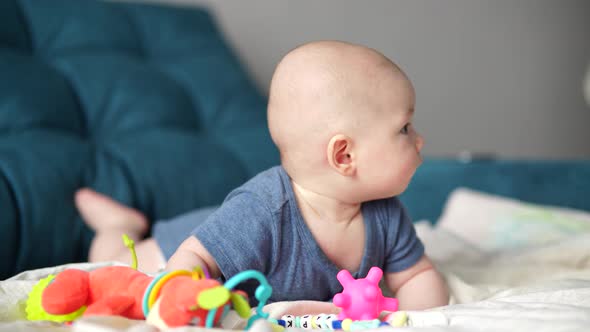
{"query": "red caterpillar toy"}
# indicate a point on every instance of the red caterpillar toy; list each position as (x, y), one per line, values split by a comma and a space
(171, 299)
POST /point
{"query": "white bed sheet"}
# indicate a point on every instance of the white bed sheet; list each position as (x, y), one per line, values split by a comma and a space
(533, 288)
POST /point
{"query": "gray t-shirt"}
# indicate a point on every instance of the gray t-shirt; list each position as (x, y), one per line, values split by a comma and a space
(259, 226)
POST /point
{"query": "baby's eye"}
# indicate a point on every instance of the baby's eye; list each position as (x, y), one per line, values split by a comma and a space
(404, 130)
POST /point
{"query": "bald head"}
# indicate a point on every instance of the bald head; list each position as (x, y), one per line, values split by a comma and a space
(320, 89)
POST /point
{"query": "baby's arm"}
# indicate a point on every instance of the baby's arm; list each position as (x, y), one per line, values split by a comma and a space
(418, 287)
(190, 254)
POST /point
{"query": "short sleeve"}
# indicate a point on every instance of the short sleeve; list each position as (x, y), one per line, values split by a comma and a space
(239, 234)
(404, 246)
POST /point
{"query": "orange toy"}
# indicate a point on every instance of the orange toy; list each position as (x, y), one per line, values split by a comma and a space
(171, 299)
(120, 290)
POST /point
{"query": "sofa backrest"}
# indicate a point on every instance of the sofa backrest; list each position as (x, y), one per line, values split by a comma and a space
(564, 183)
(145, 103)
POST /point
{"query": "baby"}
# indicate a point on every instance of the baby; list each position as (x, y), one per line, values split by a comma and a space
(341, 117)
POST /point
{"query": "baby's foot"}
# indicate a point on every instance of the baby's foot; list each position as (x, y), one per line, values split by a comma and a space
(102, 213)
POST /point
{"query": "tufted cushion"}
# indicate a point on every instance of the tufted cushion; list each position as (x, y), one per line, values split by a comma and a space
(145, 103)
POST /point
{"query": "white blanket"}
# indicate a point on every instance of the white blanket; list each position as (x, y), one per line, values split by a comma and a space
(539, 287)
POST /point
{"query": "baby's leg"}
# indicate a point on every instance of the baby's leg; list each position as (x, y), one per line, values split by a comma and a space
(110, 220)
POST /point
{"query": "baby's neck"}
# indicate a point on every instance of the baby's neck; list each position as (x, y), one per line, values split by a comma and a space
(332, 223)
(327, 209)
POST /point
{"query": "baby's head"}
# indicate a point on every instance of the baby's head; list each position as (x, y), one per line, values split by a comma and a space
(340, 115)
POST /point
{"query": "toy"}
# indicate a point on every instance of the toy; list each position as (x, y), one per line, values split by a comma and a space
(331, 322)
(362, 299)
(326, 322)
(171, 299)
(118, 290)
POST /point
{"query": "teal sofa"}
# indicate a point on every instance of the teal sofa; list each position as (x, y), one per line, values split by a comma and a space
(149, 105)
(145, 103)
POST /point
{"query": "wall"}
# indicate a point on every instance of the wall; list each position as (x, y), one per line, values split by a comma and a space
(501, 77)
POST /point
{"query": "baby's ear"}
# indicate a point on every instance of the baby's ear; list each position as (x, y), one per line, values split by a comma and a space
(340, 153)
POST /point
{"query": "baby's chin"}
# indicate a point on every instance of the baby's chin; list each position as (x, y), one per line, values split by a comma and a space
(389, 193)
(399, 191)
(400, 188)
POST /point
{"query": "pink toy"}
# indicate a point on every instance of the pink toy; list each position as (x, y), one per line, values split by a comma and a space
(362, 299)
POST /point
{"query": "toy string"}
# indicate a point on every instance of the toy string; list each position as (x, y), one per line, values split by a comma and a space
(131, 245)
(262, 294)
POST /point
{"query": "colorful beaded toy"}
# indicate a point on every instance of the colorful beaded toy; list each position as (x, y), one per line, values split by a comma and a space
(326, 322)
(331, 322)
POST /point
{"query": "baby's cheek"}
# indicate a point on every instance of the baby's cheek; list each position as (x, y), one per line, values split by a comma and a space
(406, 170)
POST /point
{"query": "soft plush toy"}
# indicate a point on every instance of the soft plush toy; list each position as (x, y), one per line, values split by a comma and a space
(122, 291)
(171, 299)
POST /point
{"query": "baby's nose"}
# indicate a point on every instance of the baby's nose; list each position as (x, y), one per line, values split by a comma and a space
(419, 142)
